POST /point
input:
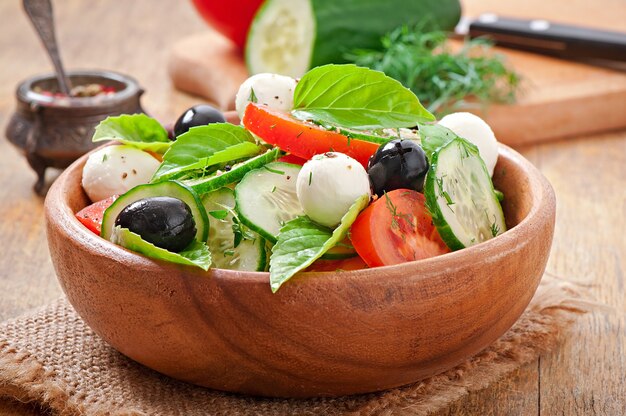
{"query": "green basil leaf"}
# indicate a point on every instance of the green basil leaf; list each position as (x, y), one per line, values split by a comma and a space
(196, 254)
(302, 241)
(206, 146)
(355, 97)
(434, 136)
(137, 130)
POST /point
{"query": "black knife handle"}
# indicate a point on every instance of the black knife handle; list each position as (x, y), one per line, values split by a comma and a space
(565, 41)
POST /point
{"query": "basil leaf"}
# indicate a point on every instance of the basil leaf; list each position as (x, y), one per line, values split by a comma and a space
(434, 136)
(206, 146)
(302, 241)
(355, 97)
(196, 254)
(137, 130)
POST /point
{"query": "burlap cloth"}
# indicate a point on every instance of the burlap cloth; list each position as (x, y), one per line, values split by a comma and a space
(51, 357)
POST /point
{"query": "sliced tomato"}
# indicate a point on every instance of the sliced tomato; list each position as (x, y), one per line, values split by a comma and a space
(353, 263)
(396, 228)
(231, 18)
(301, 138)
(294, 160)
(91, 216)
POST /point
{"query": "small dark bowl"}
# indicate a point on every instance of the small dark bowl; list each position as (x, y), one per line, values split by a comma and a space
(54, 131)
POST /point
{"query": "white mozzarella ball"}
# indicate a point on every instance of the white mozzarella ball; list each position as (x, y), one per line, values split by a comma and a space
(328, 185)
(475, 130)
(273, 90)
(113, 170)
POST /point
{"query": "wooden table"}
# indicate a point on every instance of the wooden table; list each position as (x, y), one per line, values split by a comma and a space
(585, 375)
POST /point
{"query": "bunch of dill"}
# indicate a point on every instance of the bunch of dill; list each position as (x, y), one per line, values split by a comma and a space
(444, 80)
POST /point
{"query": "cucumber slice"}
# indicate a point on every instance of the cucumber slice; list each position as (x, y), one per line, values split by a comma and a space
(281, 38)
(290, 36)
(166, 188)
(460, 196)
(250, 254)
(266, 198)
(213, 182)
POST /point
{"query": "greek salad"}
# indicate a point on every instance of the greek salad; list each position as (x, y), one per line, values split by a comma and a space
(339, 170)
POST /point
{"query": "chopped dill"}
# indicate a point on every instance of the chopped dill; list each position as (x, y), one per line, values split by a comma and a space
(252, 97)
(444, 80)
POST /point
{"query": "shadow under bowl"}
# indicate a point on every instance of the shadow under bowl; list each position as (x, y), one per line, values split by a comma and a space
(323, 333)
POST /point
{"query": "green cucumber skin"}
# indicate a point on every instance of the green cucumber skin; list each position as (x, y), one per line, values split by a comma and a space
(372, 138)
(430, 192)
(360, 24)
(212, 183)
(166, 188)
(244, 219)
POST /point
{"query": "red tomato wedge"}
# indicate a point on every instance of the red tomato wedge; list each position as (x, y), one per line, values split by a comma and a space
(353, 263)
(231, 18)
(300, 138)
(91, 216)
(294, 160)
(396, 228)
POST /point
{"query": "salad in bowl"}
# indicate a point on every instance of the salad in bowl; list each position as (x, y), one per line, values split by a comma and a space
(335, 240)
(344, 165)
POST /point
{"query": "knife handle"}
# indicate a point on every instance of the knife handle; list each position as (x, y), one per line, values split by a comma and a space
(565, 41)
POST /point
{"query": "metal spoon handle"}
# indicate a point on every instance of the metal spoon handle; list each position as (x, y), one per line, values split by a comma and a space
(40, 13)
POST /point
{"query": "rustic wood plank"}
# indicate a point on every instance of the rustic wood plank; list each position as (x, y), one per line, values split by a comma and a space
(587, 375)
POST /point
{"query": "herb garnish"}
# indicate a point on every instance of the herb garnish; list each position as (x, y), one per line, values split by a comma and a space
(442, 79)
(393, 210)
(276, 171)
(252, 98)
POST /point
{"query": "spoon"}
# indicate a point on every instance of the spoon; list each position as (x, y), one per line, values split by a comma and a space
(40, 14)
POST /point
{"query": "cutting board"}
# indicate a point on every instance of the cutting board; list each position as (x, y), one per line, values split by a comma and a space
(558, 98)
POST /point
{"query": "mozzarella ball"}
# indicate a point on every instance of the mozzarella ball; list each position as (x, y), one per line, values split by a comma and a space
(113, 170)
(272, 90)
(475, 130)
(328, 185)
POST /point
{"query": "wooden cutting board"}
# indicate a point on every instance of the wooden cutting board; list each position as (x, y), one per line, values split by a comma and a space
(558, 98)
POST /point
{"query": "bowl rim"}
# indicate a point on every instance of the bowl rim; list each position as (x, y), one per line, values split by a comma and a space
(26, 93)
(541, 195)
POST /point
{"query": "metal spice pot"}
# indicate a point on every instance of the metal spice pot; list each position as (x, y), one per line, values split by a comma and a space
(53, 130)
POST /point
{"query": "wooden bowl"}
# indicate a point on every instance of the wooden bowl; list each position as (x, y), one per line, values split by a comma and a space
(323, 333)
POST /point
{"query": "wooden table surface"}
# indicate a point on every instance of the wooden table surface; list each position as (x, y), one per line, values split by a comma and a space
(585, 375)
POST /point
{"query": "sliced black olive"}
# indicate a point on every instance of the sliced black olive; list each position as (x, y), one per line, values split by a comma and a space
(198, 115)
(163, 221)
(398, 164)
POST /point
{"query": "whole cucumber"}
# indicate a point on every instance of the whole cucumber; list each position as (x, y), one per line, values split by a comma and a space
(291, 36)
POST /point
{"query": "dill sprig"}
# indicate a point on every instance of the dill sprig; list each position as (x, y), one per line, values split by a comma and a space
(443, 80)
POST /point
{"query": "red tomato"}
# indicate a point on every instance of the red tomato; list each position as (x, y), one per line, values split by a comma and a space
(396, 228)
(231, 18)
(353, 263)
(300, 138)
(91, 216)
(292, 159)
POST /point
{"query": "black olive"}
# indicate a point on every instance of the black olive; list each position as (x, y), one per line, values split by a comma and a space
(163, 221)
(398, 164)
(198, 115)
